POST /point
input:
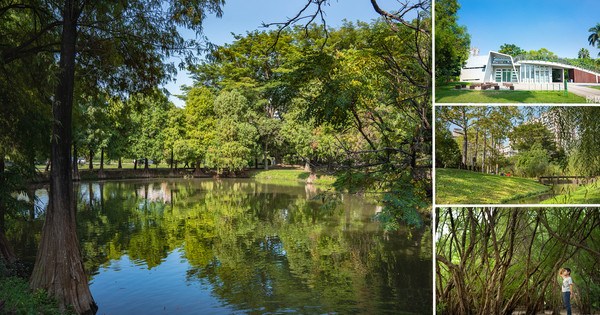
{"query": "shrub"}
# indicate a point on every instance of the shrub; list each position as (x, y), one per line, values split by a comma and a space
(533, 163)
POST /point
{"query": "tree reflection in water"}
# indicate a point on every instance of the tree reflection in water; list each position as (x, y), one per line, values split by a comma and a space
(253, 246)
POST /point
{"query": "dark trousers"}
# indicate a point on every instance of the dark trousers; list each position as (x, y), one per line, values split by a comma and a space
(567, 301)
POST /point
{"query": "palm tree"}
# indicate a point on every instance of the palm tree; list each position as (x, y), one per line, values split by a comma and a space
(583, 54)
(595, 36)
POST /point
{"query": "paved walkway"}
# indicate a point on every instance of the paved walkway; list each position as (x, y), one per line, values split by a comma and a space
(584, 90)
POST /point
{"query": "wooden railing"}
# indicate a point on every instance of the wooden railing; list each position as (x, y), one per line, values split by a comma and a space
(567, 179)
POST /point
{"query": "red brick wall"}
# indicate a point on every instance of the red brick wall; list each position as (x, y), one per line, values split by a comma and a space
(581, 76)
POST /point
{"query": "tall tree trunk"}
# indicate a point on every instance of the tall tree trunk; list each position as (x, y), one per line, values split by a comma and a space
(307, 167)
(476, 144)
(48, 162)
(75, 163)
(171, 159)
(59, 266)
(101, 171)
(101, 159)
(146, 164)
(483, 165)
(120, 162)
(135, 164)
(265, 157)
(91, 160)
(6, 250)
(496, 154)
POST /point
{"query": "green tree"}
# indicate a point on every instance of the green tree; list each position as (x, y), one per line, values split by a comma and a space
(200, 125)
(542, 54)
(148, 137)
(235, 137)
(173, 132)
(124, 43)
(451, 40)
(464, 117)
(533, 162)
(594, 38)
(511, 49)
(447, 152)
(583, 54)
(493, 260)
(525, 136)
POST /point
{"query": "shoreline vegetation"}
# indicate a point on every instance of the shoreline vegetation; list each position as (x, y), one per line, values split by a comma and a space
(586, 194)
(279, 173)
(454, 186)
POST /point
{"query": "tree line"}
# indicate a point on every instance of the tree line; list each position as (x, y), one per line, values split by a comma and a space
(82, 77)
(506, 139)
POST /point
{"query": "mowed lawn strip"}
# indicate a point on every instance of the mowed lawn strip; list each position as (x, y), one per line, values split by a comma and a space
(455, 186)
(445, 95)
(586, 194)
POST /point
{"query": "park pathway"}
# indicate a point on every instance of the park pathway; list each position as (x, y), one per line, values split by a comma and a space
(584, 90)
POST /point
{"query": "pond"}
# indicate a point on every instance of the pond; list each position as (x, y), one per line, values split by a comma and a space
(209, 246)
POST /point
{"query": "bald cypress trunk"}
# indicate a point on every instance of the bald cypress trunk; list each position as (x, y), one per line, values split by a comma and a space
(6, 250)
(59, 266)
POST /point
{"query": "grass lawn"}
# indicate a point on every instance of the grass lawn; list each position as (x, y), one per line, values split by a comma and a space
(455, 186)
(595, 87)
(586, 194)
(447, 94)
(292, 175)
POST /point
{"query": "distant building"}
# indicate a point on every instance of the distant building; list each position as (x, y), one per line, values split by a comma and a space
(457, 132)
(508, 151)
(551, 121)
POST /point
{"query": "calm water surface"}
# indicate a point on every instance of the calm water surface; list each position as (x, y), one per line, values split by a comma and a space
(207, 246)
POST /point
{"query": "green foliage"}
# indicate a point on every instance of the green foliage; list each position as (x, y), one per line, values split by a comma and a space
(148, 135)
(247, 242)
(451, 40)
(534, 162)
(447, 152)
(511, 49)
(511, 256)
(525, 136)
(583, 54)
(199, 124)
(18, 298)
(594, 38)
(585, 194)
(235, 137)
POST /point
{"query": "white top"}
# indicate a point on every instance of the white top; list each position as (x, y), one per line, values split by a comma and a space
(566, 282)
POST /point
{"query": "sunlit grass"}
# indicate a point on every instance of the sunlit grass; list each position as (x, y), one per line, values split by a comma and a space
(292, 175)
(455, 186)
(447, 94)
(586, 194)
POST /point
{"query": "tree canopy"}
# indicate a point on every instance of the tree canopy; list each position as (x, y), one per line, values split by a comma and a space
(511, 49)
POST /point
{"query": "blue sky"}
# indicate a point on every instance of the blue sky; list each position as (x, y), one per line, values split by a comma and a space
(240, 16)
(560, 26)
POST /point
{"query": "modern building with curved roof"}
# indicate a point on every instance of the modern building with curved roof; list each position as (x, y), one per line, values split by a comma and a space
(503, 68)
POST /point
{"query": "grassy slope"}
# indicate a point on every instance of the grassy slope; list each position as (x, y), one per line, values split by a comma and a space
(447, 94)
(463, 96)
(465, 187)
(586, 194)
(291, 175)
